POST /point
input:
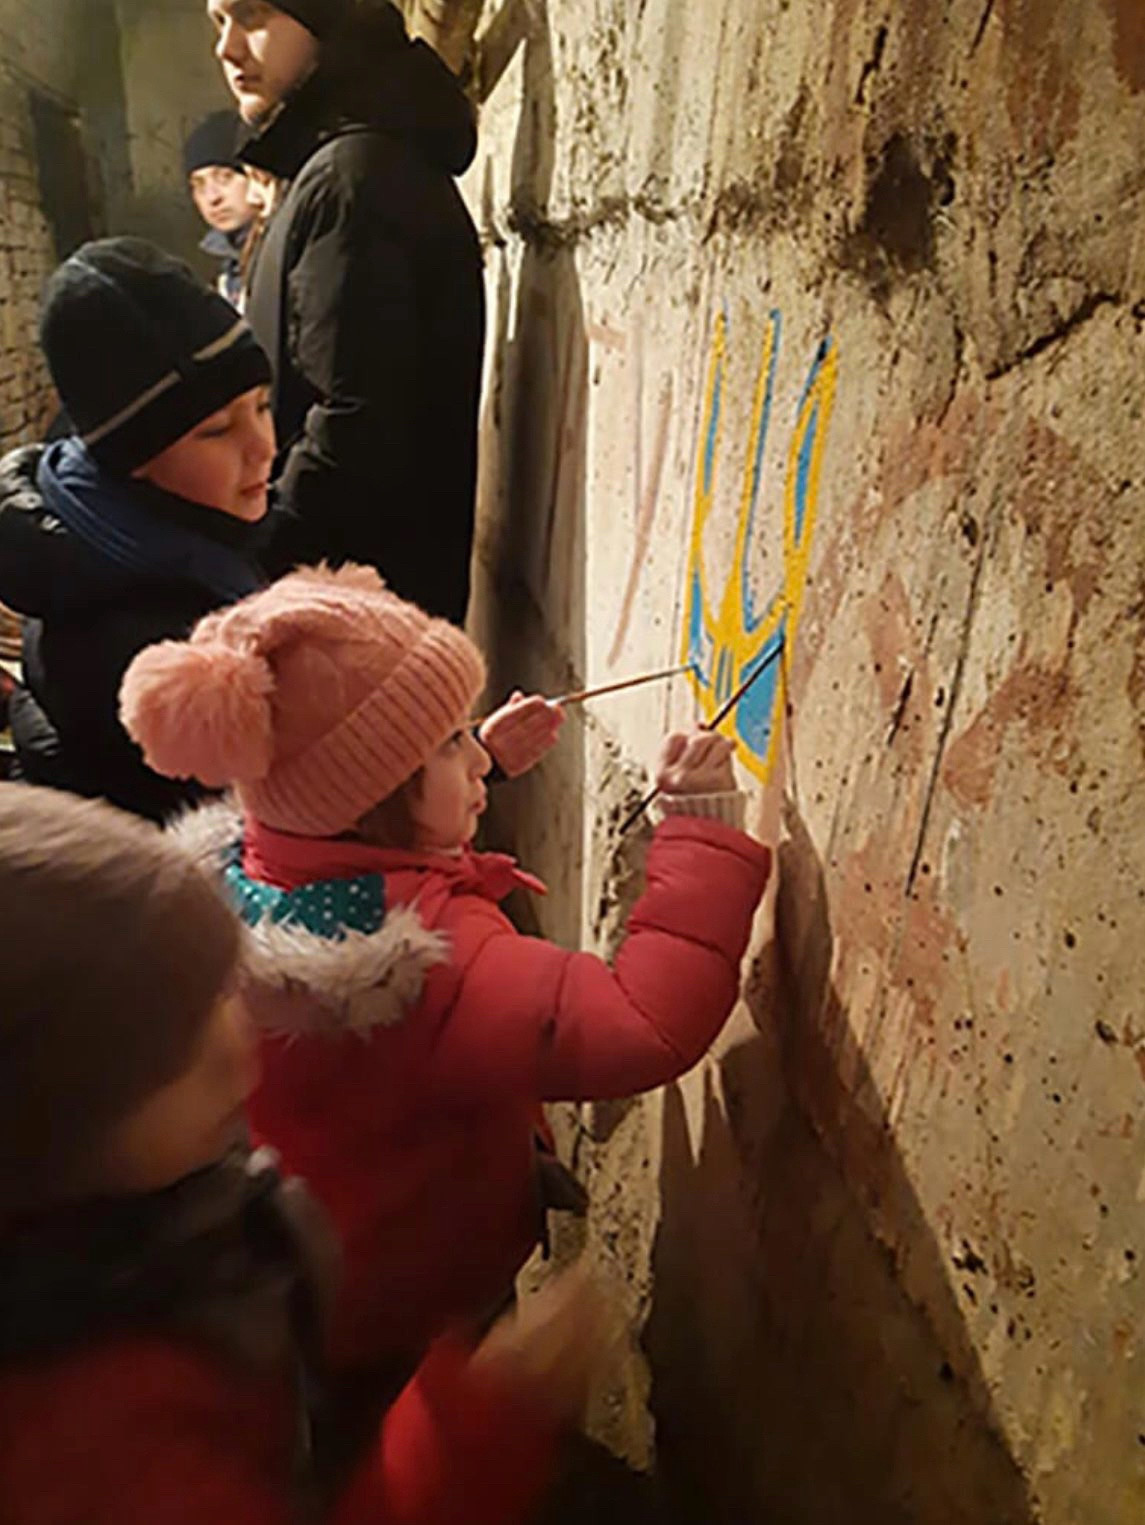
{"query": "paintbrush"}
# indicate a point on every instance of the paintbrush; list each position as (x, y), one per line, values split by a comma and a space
(583, 694)
(713, 724)
(614, 688)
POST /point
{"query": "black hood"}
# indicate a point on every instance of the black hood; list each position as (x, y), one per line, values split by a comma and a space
(394, 86)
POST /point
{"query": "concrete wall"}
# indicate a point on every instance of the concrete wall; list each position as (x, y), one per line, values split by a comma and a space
(36, 55)
(172, 80)
(825, 322)
(133, 76)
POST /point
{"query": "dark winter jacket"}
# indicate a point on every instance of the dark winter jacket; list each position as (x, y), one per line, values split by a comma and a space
(99, 569)
(367, 294)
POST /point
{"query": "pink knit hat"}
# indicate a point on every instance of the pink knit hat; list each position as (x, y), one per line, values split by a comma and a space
(316, 698)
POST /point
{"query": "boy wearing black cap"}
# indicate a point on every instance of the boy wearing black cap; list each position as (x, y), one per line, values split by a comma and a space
(146, 518)
(220, 191)
(367, 292)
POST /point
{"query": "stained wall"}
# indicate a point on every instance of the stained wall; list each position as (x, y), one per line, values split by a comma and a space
(820, 328)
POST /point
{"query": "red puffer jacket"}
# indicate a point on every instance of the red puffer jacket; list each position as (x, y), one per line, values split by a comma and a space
(149, 1431)
(412, 1032)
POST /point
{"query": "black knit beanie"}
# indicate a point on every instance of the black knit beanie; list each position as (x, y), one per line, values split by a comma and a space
(322, 17)
(140, 350)
(213, 141)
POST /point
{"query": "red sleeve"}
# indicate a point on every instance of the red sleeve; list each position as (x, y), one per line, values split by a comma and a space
(143, 1433)
(455, 1449)
(532, 1017)
(148, 1433)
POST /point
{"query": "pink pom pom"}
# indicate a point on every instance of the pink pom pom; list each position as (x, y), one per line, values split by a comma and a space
(200, 711)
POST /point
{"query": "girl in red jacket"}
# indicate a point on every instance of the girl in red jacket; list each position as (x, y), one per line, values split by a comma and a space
(159, 1287)
(410, 1032)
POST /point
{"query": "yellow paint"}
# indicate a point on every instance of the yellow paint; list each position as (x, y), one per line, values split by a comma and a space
(730, 643)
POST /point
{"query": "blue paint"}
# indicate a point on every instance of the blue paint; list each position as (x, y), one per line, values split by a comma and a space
(807, 442)
(700, 652)
(713, 428)
(754, 712)
(751, 619)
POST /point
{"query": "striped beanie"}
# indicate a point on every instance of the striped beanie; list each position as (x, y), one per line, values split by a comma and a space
(315, 698)
(140, 350)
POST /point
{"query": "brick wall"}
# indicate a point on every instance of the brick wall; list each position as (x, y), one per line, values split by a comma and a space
(26, 258)
(134, 77)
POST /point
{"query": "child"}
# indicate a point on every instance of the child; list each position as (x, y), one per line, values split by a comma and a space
(409, 1032)
(146, 518)
(151, 515)
(158, 1286)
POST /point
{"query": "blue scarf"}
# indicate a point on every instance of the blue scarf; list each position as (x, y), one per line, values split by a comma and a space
(143, 529)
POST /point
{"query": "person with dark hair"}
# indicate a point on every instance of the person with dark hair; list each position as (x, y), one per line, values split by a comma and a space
(367, 292)
(144, 519)
(220, 190)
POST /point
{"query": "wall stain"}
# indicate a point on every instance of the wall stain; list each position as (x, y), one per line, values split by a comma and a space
(1038, 698)
(1128, 18)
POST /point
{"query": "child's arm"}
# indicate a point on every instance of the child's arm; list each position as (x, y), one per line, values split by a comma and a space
(158, 1433)
(530, 1018)
(470, 1440)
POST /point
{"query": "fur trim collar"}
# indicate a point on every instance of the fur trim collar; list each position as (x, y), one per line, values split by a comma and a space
(355, 982)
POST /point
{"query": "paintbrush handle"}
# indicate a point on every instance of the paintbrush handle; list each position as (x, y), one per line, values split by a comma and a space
(613, 688)
(621, 683)
(713, 724)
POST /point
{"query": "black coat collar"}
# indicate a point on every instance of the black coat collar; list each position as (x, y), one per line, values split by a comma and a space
(407, 93)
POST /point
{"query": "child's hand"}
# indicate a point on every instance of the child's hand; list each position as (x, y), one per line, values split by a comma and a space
(550, 1345)
(698, 763)
(519, 734)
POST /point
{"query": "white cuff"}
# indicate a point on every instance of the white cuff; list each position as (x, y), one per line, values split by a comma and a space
(729, 806)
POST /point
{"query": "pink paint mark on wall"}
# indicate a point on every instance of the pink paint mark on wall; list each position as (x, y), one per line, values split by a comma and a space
(647, 502)
(1040, 700)
(1128, 18)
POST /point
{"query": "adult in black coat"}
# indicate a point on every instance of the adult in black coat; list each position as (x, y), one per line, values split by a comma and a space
(129, 531)
(367, 292)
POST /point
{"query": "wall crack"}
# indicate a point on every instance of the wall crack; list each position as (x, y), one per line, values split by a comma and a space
(1089, 305)
(948, 715)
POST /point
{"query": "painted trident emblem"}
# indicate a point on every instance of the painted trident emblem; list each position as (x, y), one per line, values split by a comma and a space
(723, 651)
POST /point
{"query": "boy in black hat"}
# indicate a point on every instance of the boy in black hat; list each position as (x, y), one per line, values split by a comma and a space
(220, 191)
(146, 518)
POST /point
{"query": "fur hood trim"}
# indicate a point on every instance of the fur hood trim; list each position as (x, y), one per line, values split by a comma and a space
(352, 983)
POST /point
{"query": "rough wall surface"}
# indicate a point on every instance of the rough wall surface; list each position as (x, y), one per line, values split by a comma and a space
(121, 81)
(821, 326)
(35, 55)
(172, 80)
